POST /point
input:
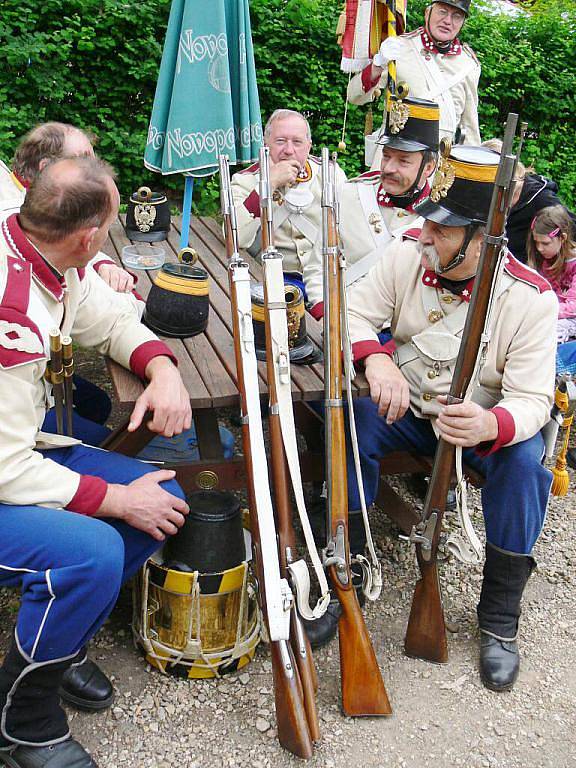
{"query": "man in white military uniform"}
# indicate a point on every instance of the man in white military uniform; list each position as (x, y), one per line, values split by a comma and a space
(295, 180)
(77, 522)
(435, 65)
(45, 142)
(378, 207)
(422, 291)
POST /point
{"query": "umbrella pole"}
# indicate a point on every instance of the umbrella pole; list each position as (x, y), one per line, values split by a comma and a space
(186, 212)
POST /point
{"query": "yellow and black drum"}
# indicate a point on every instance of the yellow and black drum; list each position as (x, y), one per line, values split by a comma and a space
(197, 624)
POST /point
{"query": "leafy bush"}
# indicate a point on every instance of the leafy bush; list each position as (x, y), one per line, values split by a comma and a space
(94, 63)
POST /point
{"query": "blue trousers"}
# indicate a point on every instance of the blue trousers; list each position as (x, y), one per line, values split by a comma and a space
(70, 567)
(515, 492)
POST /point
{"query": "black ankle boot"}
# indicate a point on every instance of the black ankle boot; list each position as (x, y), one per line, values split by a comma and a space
(85, 685)
(33, 725)
(505, 576)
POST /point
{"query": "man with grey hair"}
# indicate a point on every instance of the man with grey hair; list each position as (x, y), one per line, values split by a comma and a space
(295, 179)
(45, 142)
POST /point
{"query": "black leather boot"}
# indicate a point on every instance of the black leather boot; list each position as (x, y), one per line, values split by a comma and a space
(321, 631)
(505, 576)
(85, 685)
(34, 728)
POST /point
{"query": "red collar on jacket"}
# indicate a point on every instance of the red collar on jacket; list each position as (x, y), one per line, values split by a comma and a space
(431, 279)
(23, 248)
(385, 202)
(429, 45)
(23, 183)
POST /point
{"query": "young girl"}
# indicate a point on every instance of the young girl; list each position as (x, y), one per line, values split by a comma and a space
(552, 251)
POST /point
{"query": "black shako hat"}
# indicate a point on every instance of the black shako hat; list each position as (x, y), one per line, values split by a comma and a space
(412, 125)
(301, 349)
(147, 216)
(462, 187)
(212, 537)
(178, 302)
(462, 5)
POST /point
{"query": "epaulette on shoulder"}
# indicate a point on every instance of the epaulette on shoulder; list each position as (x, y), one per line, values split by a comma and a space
(415, 32)
(412, 234)
(315, 159)
(251, 168)
(369, 177)
(470, 51)
(525, 274)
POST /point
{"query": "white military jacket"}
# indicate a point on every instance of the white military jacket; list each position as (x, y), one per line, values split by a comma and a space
(369, 222)
(517, 380)
(33, 301)
(449, 79)
(296, 227)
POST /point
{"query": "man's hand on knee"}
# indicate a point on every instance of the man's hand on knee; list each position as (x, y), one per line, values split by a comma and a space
(145, 505)
(388, 388)
(166, 397)
(466, 424)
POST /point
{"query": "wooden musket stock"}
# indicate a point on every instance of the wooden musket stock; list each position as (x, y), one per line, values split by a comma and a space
(363, 690)
(292, 725)
(283, 508)
(426, 632)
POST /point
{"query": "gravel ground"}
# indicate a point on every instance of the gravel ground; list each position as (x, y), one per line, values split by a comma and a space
(442, 715)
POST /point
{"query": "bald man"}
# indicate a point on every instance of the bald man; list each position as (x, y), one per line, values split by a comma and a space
(77, 522)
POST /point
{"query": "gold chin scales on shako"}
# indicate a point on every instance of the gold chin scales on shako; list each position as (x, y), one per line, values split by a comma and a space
(195, 608)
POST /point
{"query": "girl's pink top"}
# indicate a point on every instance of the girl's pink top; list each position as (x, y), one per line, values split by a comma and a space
(564, 287)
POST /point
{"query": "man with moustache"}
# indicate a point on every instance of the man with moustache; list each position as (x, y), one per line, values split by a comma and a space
(422, 291)
(435, 65)
(296, 185)
(378, 207)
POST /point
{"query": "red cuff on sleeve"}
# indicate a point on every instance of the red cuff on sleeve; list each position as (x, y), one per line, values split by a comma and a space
(317, 311)
(252, 204)
(506, 432)
(142, 355)
(98, 264)
(89, 496)
(367, 82)
(362, 349)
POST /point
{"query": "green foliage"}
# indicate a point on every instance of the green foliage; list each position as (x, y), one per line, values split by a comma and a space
(94, 63)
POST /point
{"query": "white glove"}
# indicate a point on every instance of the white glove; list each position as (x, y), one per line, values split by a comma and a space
(391, 49)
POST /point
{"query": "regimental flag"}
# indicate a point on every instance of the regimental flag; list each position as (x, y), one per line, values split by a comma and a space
(367, 24)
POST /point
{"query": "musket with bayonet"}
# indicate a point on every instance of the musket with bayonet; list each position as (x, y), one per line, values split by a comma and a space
(426, 632)
(284, 453)
(363, 690)
(275, 596)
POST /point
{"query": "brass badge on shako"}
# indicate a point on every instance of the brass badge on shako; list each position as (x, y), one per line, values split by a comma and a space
(293, 319)
(445, 173)
(398, 117)
(144, 216)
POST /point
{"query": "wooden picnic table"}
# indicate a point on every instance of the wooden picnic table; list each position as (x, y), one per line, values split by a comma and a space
(208, 368)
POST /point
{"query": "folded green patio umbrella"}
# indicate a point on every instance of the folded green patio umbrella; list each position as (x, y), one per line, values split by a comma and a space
(206, 101)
